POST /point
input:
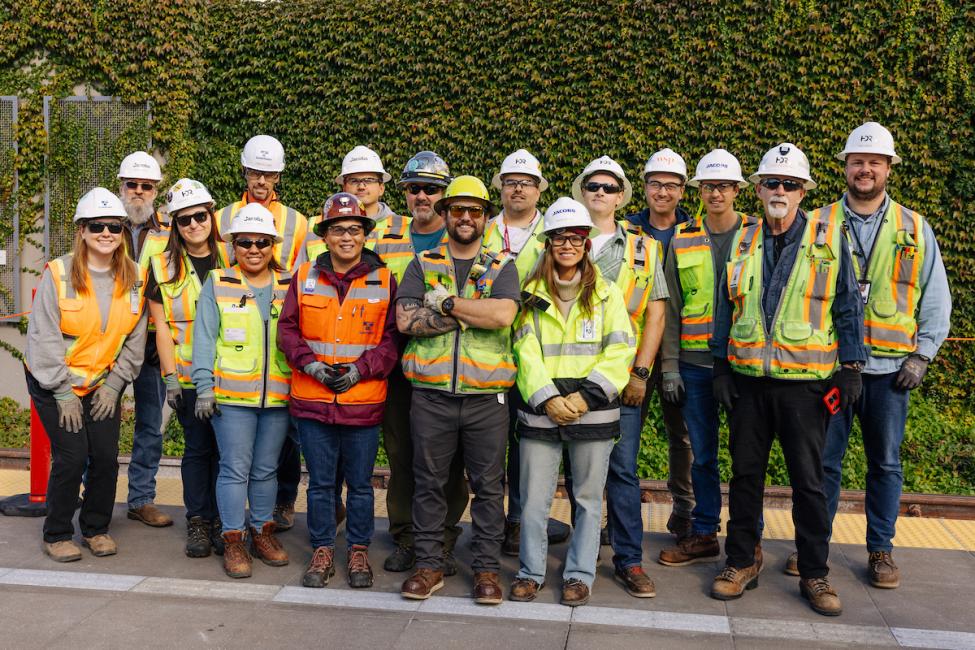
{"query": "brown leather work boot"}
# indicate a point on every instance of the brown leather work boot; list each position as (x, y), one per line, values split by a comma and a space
(637, 583)
(487, 588)
(821, 596)
(64, 551)
(792, 565)
(524, 590)
(101, 545)
(360, 573)
(422, 584)
(691, 549)
(884, 574)
(236, 559)
(320, 568)
(732, 582)
(150, 515)
(574, 593)
(266, 546)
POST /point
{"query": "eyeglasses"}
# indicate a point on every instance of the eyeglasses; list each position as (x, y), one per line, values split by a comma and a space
(458, 211)
(184, 219)
(608, 188)
(254, 174)
(429, 190)
(787, 185)
(656, 186)
(146, 187)
(559, 240)
(96, 227)
(520, 184)
(341, 231)
(707, 188)
(246, 244)
(368, 180)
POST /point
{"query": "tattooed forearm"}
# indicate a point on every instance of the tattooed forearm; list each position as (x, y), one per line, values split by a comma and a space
(414, 319)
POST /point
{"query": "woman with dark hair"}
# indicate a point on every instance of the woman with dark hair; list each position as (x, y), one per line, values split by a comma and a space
(574, 345)
(172, 289)
(85, 342)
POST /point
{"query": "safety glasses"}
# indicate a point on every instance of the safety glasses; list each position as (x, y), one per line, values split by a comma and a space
(458, 211)
(787, 185)
(559, 240)
(341, 231)
(608, 188)
(518, 184)
(707, 188)
(184, 219)
(429, 190)
(146, 187)
(254, 174)
(96, 227)
(247, 244)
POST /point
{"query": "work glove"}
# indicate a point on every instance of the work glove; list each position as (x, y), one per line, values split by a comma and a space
(174, 392)
(577, 402)
(912, 372)
(206, 405)
(320, 370)
(850, 384)
(672, 387)
(104, 402)
(635, 391)
(723, 384)
(345, 377)
(69, 411)
(560, 411)
(433, 299)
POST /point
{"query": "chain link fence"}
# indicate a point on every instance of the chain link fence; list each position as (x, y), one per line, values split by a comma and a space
(9, 213)
(87, 139)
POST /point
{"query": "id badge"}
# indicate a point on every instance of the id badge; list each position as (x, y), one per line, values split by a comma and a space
(235, 335)
(588, 330)
(234, 308)
(864, 291)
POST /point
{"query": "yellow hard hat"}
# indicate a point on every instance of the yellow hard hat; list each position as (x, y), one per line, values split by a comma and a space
(465, 187)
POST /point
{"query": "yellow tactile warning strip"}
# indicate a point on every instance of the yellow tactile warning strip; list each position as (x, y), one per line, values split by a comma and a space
(916, 532)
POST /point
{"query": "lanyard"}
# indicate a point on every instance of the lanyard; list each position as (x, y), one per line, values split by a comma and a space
(506, 246)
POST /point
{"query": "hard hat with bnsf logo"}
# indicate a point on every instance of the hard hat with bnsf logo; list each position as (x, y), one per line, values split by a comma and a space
(425, 167)
(343, 205)
(784, 159)
(99, 202)
(465, 187)
(870, 137)
(566, 213)
(718, 165)
(254, 218)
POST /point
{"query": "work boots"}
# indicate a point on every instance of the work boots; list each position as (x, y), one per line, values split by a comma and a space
(197, 537)
(236, 559)
(691, 549)
(884, 574)
(821, 596)
(360, 573)
(266, 546)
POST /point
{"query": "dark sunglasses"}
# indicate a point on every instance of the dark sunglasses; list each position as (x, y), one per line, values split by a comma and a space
(96, 227)
(429, 190)
(200, 217)
(608, 188)
(146, 187)
(246, 244)
(773, 184)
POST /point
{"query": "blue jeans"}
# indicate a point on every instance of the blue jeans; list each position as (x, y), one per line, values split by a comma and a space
(539, 476)
(882, 411)
(623, 504)
(150, 395)
(701, 415)
(249, 440)
(325, 446)
(201, 461)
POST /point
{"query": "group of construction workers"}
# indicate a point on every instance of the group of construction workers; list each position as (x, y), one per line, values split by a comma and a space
(492, 350)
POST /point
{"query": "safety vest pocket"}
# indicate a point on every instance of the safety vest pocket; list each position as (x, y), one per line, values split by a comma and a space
(883, 308)
(739, 277)
(745, 329)
(694, 311)
(795, 330)
(690, 270)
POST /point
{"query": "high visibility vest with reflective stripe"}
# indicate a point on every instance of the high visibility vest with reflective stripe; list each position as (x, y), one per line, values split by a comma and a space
(91, 352)
(802, 344)
(894, 274)
(154, 244)
(390, 240)
(695, 268)
(249, 369)
(290, 224)
(525, 260)
(179, 304)
(341, 333)
(470, 361)
(562, 348)
(635, 278)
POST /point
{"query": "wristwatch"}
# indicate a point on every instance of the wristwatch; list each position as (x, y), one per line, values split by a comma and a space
(854, 365)
(641, 372)
(447, 305)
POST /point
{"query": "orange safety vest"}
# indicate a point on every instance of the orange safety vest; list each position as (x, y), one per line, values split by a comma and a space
(92, 350)
(290, 224)
(341, 332)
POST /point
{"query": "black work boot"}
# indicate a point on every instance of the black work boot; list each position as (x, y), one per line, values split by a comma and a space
(216, 535)
(197, 537)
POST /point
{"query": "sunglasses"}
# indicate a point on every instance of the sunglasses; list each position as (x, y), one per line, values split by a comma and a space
(96, 227)
(458, 211)
(246, 244)
(341, 231)
(184, 219)
(254, 174)
(773, 184)
(429, 190)
(608, 188)
(146, 187)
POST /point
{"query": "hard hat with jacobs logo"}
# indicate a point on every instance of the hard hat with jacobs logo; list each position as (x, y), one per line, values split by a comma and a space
(607, 165)
(784, 159)
(362, 159)
(718, 165)
(186, 193)
(425, 167)
(99, 202)
(139, 164)
(870, 137)
(566, 213)
(264, 154)
(521, 162)
(343, 205)
(254, 218)
(465, 187)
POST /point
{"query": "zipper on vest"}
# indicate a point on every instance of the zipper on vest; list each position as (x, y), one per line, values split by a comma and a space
(267, 325)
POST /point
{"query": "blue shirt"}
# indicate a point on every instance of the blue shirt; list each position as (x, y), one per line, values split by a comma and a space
(642, 219)
(426, 241)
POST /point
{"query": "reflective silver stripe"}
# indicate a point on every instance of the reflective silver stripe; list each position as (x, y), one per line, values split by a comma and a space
(571, 349)
(906, 221)
(806, 357)
(619, 337)
(522, 332)
(542, 395)
(288, 236)
(600, 380)
(337, 349)
(607, 416)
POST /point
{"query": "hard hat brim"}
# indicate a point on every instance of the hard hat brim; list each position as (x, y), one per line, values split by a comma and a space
(807, 183)
(577, 187)
(340, 179)
(367, 222)
(444, 203)
(423, 177)
(894, 158)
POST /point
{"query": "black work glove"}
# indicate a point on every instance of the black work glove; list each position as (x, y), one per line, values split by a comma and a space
(672, 387)
(912, 372)
(850, 384)
(346, 376)
(723, 384)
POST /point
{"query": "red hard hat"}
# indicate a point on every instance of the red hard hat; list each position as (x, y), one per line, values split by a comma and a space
(344, 205)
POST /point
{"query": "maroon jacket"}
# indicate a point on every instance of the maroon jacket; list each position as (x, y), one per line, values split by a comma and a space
(377, 362)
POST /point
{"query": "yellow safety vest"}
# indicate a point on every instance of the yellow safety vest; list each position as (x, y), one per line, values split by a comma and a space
(290, 224)
(525, 260)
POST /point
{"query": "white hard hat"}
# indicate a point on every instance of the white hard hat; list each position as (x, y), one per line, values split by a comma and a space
(186, 193)
(263, 153)
(255, 218)
(870, 137)
(603, 164)
(521, 162)
(362, 159)
(99, 202)
(140, 165)
(718, 165)
(566, 213)
(666, 161)
(784, 159)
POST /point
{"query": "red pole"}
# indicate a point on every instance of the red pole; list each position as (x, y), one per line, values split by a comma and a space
(40, 458)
